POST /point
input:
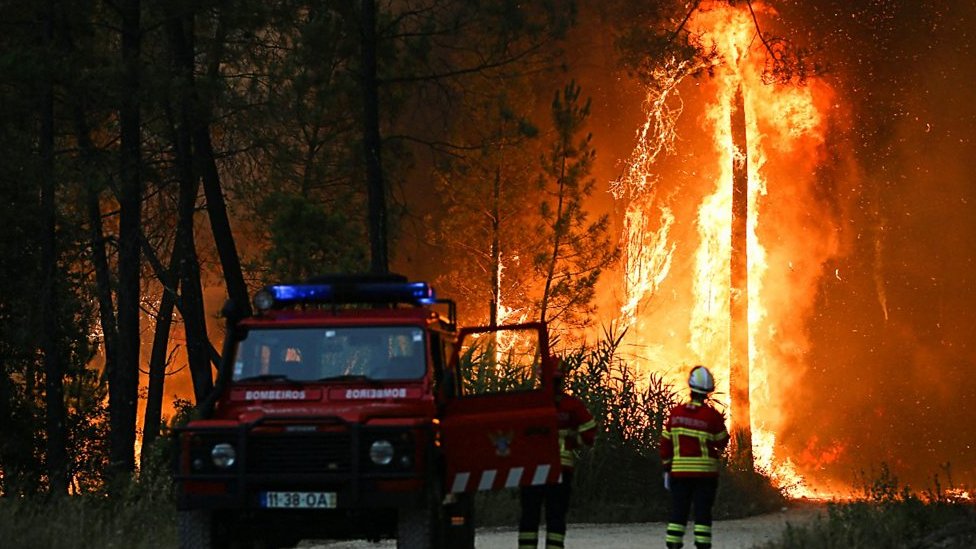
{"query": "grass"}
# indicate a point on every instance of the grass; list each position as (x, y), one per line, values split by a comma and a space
(887, 515)
(143, 516)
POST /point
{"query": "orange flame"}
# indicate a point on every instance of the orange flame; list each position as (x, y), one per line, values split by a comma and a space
(786, 246)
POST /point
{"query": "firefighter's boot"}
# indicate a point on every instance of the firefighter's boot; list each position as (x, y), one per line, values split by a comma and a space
(675, 545)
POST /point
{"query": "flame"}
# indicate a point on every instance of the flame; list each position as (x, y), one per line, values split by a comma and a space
(787, 245)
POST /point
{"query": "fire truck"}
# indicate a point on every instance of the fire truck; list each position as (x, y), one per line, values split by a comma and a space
(353, 407)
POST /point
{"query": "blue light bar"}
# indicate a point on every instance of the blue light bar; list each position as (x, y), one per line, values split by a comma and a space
(417, 293)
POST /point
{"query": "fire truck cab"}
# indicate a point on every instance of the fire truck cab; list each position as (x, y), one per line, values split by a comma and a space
(352, 407)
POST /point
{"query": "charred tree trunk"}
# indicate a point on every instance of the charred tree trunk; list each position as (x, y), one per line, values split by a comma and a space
(372, 143)
(124, 379)
(739, 295)
(57, 456)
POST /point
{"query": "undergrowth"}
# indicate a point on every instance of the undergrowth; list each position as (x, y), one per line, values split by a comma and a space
(885, 514)
(142, 515)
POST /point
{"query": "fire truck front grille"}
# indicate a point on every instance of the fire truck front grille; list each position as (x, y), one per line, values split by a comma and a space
(292, 454)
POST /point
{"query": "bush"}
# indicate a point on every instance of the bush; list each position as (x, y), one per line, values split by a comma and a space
(619, 479)
(139, 513)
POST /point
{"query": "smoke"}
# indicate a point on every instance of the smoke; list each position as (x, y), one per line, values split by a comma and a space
(888, 375)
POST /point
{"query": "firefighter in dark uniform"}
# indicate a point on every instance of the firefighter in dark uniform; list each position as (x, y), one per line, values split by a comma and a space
(692, 443)
(577, 428)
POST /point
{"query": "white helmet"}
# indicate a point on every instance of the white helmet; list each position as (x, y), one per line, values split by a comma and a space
(701, 380)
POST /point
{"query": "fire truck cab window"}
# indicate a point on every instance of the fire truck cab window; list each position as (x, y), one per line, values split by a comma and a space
(500, 362)
(310, 354)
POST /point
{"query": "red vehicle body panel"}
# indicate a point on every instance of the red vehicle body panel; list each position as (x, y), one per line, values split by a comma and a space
(314, 435)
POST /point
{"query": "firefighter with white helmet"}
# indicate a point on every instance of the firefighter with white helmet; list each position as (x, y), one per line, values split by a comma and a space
(692, 443)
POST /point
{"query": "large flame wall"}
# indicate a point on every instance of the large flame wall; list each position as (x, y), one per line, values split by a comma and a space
(850, 365)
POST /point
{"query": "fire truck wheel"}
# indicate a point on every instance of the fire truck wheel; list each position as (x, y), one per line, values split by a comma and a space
(421, 528)
(196, 530)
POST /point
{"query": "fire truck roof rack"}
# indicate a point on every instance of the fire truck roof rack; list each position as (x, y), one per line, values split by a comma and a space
(345, 289)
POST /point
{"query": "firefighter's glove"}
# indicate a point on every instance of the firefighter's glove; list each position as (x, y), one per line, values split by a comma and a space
(667, 481)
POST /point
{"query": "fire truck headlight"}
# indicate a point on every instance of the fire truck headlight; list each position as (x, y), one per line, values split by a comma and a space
(223, 455)
(264, 300)
(381, 452)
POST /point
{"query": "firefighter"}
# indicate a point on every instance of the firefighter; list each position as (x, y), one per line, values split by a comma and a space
(692, 442)
(577, 428)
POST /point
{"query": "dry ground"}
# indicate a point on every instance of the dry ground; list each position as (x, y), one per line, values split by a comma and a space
(728, 534)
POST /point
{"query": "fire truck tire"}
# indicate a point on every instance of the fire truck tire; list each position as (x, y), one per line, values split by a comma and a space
(421, 527)
(195, 529)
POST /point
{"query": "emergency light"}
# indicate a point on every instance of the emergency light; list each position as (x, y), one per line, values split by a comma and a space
(281, 295)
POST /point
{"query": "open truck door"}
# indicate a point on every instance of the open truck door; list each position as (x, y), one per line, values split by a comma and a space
(498, 427)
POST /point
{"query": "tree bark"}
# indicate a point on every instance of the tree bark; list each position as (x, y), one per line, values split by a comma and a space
(99, 255)
(124, 379)
(372, 143)
(739, 272)
(180, 31)
(206, 164)
(496, 244)
(152, 419)
(57, 455)
(230, 261)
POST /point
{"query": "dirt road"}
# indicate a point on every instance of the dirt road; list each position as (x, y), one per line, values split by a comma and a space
(728, 534)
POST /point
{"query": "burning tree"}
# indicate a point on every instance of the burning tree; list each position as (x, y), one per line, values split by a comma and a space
(756, 98)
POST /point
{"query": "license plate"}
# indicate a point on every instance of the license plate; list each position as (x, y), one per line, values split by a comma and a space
(298, 500)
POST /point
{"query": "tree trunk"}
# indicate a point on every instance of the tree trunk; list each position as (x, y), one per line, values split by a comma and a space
(99, 256)
(496, 252)
(180, 31)
(230, 261)
(57, 457)
(739, 294)
(152, 419)
(558, 231)
(372, 143)
(124, 380)
(206, 164)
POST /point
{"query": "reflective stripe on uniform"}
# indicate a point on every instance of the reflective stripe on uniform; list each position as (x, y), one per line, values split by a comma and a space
(528, 539)
(555, 540)
(702, 463)
(703, 533)
(675, 533)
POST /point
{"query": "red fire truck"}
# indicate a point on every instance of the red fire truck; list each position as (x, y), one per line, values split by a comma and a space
(352, 407)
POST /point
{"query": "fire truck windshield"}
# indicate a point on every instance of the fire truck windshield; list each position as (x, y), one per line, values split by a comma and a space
(331, 354)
